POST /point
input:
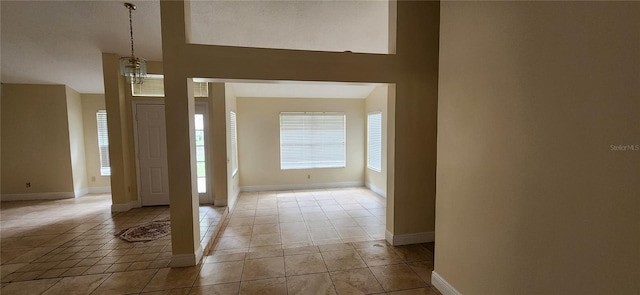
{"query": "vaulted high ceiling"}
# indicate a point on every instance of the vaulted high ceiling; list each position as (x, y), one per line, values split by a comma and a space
(61, 42)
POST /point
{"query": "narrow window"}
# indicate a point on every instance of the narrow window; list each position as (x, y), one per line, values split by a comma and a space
(234, 143)
(201, 173)
(374, 141)
(103, 143)
(312, 140)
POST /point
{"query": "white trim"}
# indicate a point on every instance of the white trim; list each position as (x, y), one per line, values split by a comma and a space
(417, 238)
(442, 285)
(209, 244)
(191, 259)
(134, 114)
(388, 236)
(37, 196)
(284, 187)
(81, 192)
(202, 107)
(376, 189)
(125, 207)
(99, 189)
(235, 201)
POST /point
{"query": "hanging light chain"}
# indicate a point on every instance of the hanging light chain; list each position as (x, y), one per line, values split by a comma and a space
(133, 68)
(131, 31)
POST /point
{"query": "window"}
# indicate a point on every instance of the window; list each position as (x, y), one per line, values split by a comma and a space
(234, 143)
(374, 141)
(154, 86)
(312, 140)
(103, 143)
(201, 173)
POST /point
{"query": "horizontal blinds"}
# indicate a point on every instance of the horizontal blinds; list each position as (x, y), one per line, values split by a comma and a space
(154, 86)
(312, 140)
(200, 89)
(103, 143)
(374, 141)
(234, 143)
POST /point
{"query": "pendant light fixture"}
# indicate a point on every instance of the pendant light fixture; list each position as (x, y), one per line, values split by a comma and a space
(132, 67)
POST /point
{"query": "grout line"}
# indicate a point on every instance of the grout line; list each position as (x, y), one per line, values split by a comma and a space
(138, 215)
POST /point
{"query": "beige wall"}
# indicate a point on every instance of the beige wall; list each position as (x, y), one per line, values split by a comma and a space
(218, 129)
(413, 69)
(377, 102)
(76, 142)
(226, 186)
(530, 197)
(414, 113)
(233, 179)
(259, 142)
(121, 175)
(391, 155)
(129, 139)
(35, 140)
(91, 103)
(119, 103)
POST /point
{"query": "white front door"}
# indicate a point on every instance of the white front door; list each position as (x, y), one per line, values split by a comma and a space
(152, 154)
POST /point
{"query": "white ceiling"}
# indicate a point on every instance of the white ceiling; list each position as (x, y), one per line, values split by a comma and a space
(61, 42)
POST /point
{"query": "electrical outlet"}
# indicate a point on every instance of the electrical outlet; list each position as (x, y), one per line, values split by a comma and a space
(28, 184)
(93, 179)
(308, 176)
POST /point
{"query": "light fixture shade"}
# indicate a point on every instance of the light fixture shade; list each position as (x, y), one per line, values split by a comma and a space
(134, 68)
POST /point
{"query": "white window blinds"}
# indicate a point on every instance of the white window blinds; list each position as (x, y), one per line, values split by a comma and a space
(153, 86)
(312, 140)
(374, 141)
(103, 143)
(234, 143)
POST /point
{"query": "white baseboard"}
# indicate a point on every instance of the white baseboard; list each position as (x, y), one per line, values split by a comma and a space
(388, 236)
(376, 190)
(442, 285)
(37, 196)
(81, 192)
(406, 239)
(184, 260)
(284, 187)
(125, 207)
(234, 201)
(99, 189)
(230, 201)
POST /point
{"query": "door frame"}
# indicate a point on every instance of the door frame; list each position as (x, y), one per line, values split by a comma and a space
(202, 107)
(205, 198)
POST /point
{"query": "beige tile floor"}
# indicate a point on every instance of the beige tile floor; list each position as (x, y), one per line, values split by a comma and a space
(66, 242)
(294, 242)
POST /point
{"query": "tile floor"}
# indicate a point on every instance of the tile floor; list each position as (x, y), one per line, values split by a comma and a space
(294, 242)
(70, 240)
